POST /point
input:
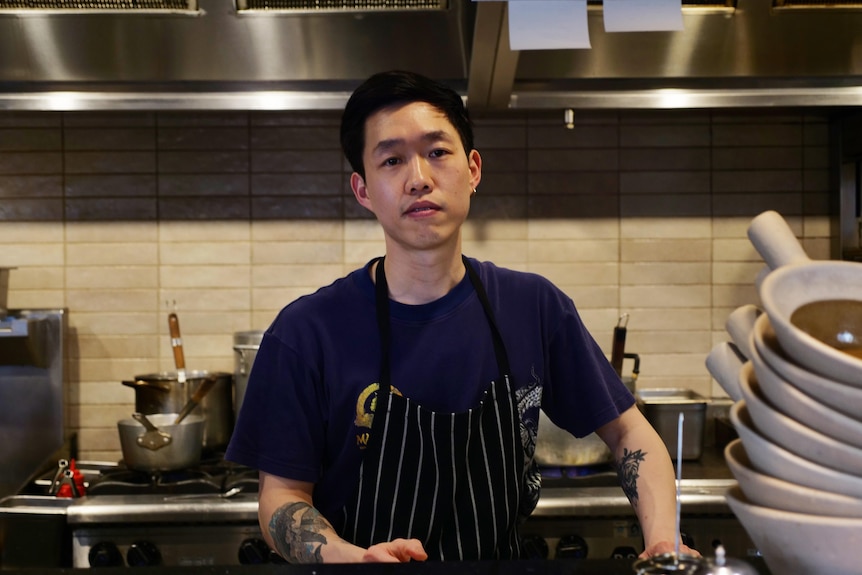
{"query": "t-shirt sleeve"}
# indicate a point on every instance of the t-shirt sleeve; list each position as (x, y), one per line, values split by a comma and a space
(582, 391)
(280, 426)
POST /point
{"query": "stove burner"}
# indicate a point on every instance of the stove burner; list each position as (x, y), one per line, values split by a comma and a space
(213, 476)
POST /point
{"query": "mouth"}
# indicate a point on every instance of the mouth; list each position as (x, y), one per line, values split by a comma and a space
(421, 208)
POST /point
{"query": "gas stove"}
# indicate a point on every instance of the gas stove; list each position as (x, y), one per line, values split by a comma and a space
(207, 516)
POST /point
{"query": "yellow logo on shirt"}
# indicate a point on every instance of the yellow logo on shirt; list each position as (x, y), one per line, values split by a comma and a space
(366, 406)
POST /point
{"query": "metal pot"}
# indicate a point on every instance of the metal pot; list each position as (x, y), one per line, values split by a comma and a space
(163, 393)
(4, 291)
(182, 452)
(245, 346)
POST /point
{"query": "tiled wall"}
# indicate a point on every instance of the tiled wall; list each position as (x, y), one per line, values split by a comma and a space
(119, 217)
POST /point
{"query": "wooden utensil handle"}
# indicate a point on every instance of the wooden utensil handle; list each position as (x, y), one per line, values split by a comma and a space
(176, 341)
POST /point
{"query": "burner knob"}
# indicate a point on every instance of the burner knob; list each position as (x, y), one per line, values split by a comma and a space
(105, 554)
(143, 554)
(572, 547)
(253, 551)
(534, 547)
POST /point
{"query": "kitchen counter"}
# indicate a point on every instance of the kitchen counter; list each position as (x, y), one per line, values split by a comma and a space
(556, 567)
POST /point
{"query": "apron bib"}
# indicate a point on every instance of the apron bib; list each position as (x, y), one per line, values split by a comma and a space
(451, 480)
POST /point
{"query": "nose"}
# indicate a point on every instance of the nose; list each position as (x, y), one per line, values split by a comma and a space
(419, 180)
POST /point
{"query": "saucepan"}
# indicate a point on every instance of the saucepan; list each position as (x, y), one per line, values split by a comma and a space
(815, 307)
(183, 450)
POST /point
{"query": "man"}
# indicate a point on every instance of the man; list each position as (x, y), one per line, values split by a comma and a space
(393, 414)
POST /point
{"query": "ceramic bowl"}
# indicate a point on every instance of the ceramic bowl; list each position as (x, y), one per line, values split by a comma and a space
(798, 542)
(723, 363)
(803, 408)
(796, 281)
(842, 397)
(772, 459)
(740, 324)
(793, 435)
(768, 491)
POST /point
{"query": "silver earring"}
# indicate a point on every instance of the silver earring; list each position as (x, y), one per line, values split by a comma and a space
(474, 191)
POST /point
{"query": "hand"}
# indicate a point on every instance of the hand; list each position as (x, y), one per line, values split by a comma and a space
(396, 551)
(663, 547)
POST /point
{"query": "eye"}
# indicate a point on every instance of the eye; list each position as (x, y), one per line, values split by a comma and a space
(391, 162)
(438, 153)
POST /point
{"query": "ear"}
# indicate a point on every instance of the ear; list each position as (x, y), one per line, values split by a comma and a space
(474, 162)
(360, 190)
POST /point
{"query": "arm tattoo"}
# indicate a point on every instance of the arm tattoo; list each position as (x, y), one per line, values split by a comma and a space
(627, 470)
(296, 530)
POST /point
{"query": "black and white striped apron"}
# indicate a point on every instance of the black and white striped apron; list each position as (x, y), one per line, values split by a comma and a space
(451, 480)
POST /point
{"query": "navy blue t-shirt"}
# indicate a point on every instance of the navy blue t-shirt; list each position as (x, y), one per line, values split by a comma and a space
(308, 406)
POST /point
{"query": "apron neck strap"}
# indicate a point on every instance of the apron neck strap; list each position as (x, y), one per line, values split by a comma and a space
(381, 290)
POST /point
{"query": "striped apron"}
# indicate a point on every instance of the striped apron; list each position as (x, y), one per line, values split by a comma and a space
(451, 480)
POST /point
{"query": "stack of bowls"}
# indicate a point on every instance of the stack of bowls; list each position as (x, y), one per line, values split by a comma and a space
(798, 411)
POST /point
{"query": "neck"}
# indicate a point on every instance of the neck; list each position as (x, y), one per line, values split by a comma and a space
(422, 278)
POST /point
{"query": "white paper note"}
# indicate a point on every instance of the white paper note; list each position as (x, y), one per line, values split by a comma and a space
(548, 24)
(642, 15)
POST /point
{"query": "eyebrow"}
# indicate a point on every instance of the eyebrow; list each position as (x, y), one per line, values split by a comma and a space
(388, 144)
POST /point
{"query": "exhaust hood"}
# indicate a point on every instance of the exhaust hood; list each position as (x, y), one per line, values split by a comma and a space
(310, 54)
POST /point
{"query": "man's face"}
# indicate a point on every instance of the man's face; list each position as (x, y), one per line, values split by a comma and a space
(418, 178)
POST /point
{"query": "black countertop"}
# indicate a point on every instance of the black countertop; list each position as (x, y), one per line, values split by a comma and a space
(553, 567)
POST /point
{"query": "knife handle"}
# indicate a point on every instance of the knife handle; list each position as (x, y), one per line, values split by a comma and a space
(617, 352)
(176, 341)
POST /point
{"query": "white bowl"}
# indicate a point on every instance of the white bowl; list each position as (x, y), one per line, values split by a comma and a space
(804, 408)
(796, 543)
(739, 325)
(793, 435)
(723, 363)
(796, 281)
(774, 460)
(840, 396)
(769, 491)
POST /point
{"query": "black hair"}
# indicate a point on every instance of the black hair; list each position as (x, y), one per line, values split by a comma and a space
(392, 88)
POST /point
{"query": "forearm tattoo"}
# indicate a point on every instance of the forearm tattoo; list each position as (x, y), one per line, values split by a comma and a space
(627, 470)
(296, 530)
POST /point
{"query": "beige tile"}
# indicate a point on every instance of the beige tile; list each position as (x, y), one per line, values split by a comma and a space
(35, 277)
(109, 276)
(572, 251)
(504, 253)
(113, 370)
(308, 230)
(689, 228)
(103, 443)
(731, 227)
(205, 277)
(111, 232)
(32, 254)
(199, 253)
(573, 229)
(30, 233)
(362, 230)
(111, 300)
(103, 416)
(215, 299)
(665, 296)
(495, 230)
(34, 299)
(266, 302)
(648, 320)
(101, 393)
(739, 273)
(668, 341)
(671, 273)
(668, 365)
(734, 295)
(573, 274)
(735, 250)
(665, 250)
(103, 324)
(107, 347)
(297, 252)
(90, 254)
(198, 232)
(591, 296)
(293, 276)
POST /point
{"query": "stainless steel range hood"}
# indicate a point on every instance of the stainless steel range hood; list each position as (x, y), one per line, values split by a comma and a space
(309, 54)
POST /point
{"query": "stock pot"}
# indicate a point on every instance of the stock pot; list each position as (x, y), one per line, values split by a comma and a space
(245, 346)
(164, 393)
